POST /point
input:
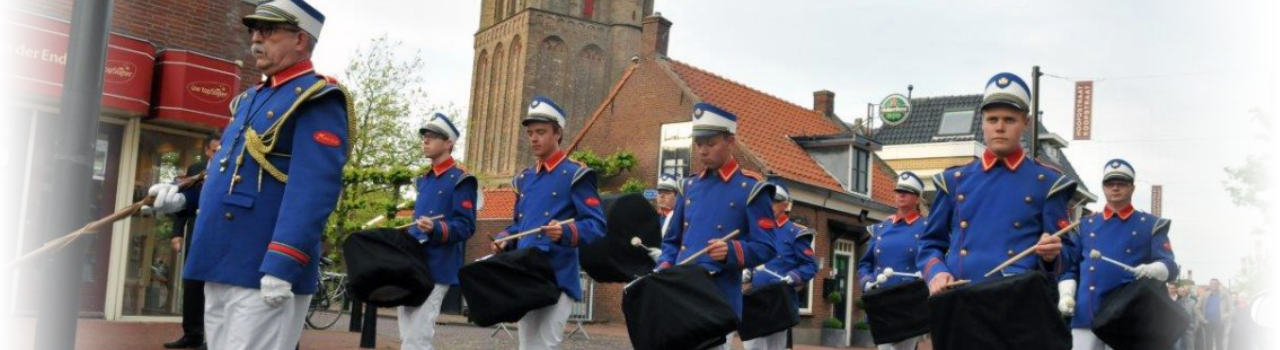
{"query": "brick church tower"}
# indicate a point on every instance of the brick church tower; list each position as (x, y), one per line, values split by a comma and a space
(572, 51)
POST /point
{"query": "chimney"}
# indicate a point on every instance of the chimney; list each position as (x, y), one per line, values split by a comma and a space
(824, 101)
(654, 31)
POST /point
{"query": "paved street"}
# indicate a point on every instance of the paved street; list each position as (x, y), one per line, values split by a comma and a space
(95, 334)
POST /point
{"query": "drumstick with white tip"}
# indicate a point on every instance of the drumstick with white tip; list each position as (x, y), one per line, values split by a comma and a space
(1095, 254)
(708, 248)
(526, 233)
(1028, 251)
(888, 271)
(411, 223)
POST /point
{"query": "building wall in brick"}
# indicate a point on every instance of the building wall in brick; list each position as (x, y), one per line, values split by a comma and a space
(209, 27)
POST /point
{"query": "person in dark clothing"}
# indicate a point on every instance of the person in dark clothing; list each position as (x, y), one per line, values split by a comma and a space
(1240, 336)
(192, 290)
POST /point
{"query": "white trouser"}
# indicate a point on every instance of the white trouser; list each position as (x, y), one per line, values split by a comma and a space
(728, 342)
(542, 329)
(776, 341)
(905, 344)
(1083, 339)
(236, 318)
(418, 323)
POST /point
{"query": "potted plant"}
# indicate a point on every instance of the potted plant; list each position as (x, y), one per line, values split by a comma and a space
(833, 333)
(862, 335)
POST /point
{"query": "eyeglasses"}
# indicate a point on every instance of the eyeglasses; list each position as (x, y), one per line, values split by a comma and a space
(266, 29)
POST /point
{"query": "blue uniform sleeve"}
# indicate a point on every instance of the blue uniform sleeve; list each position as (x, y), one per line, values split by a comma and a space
(937, 234)
(1162, 249)
(1072, 256)
(419, 210)
(867, 264)
(672, 238)
(589, 224)
(808, 267)
(460, 223)
(1054, 217)
(315, 180)
(756, 246)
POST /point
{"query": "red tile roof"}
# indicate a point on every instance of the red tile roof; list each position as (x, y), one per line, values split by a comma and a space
(766, 124)
(499, 203)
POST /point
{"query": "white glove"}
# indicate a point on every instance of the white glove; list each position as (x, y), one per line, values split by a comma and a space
(1156, 271)
(169, 198)
(1067, 297)
(655, 253)
(869, 285)
(788, 280)
(275, 291)
(746, 276)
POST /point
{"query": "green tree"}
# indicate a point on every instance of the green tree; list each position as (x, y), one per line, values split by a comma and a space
(1255, 278)
(1255, 182)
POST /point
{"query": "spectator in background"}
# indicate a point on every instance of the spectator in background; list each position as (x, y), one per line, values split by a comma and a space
(1188, 305)
(1216, 308)
(184, 222)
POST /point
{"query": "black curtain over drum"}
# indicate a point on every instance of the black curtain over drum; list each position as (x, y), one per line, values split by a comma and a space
(1012, 312)
(1140, 316)
(504, 287)
(612, 259)
(387, 268)
(768, 310)
(677, 308)
(897, 313)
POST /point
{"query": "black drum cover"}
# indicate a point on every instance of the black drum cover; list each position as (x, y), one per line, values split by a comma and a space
(504, 287)
(612, 259)
(677, 308)
(897, 313)
(387, 268)
(768, 310)
(1010, 312)
(1139, 316)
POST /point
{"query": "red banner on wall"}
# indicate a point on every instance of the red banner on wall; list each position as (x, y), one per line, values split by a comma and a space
(1084, 110)
(195, 88)
(39, 53)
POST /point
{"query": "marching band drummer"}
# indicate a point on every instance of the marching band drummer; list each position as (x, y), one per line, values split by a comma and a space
(894, 246)
(445, 214)
(1001, 203)
(794, 263)
(553, 190)
(1120, 233)
(719, 200)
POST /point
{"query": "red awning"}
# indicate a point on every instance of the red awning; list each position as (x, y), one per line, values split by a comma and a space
(40, 53)
(194, 88)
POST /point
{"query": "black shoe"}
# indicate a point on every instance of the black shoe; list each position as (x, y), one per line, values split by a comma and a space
(186, 342)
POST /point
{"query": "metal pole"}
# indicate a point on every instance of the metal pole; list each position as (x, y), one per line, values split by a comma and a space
(70, 137)
(1035, 109)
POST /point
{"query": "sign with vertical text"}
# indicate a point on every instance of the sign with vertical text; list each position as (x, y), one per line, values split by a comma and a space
(1084, 110)
(1157, 197)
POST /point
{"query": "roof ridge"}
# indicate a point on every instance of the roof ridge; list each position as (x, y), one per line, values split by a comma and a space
(745, 86)
(601, 108)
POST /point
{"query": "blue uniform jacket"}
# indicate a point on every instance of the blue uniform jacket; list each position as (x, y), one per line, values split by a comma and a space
(894, 244)
(1131, 237)
(715, 204)
(273, 184)
(448, 190)
(558, 189)
(990, 210)
(794, 244)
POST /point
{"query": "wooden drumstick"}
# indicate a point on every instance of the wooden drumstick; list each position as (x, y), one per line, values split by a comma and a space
(708, 248)
(636, 242)
(1095, 254)
(411, 223)
(1028, 251)
(526, 233)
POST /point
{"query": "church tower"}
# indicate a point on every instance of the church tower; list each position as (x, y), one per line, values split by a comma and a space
(571, 51)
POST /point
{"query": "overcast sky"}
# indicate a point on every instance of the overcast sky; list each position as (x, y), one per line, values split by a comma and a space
(1175, 80)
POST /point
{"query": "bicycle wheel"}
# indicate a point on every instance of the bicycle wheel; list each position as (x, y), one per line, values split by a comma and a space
(327, 305)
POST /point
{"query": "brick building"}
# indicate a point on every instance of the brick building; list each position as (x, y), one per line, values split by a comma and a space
(171, 70)
(840, 186)
(569, 50)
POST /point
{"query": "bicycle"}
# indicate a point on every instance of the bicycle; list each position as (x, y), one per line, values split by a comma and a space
(330, 300)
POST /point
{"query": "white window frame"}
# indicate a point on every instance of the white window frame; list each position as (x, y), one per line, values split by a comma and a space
(853, 176)
(685, 128)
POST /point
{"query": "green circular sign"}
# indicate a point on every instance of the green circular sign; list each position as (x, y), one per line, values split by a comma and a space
(895, 109)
